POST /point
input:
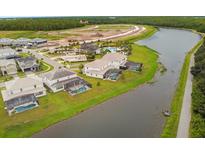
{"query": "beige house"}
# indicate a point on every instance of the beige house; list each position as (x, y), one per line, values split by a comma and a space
(55, 79)
(8, 66)
(21, 94)
(6, 53)
(99, 67)
(74, 58)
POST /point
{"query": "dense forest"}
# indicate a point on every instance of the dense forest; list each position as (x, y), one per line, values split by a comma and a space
(57, 23)
(198, 94)
(197, 23)
(36, 24)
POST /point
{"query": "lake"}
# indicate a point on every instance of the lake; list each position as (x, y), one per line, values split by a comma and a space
(137, 113)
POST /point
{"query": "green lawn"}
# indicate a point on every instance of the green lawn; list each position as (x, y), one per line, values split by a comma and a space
(59, 106)
(171, 125)
(44, 67)
(5, 78)
(29, 34)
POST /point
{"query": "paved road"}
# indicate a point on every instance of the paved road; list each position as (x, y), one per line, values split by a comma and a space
(185, 116)
(54, 63)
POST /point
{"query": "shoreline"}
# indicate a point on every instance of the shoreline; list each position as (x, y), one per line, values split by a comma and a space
(172, 123)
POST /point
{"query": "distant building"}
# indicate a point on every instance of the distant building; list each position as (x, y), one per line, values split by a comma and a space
(8, 66)
(7, 53)
(38, 41)
(6, 41)
(99, 67)
(84, 22)
(21, 42)
(21, 94)
(89, 47)
(74, 58)
(28, 64)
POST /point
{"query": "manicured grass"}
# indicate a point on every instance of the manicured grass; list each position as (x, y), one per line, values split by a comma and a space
(44, 67)
(5, 78)
(171, 125)
(24, 54)
(29, 34)
(59, 106)
(21, 74)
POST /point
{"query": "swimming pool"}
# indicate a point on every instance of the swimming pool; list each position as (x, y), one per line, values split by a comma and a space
(79, 90)
(111, 49)
(25, 108)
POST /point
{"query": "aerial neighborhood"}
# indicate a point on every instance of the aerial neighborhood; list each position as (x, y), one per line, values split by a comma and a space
(32, 68)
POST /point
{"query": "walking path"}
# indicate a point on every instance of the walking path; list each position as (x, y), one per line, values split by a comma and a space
(185, 116)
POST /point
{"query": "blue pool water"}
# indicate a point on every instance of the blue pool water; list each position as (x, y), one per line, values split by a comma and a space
(80, 90)
(111, 49)
(25, 108)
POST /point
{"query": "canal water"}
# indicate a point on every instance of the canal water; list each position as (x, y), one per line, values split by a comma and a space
(136, 113)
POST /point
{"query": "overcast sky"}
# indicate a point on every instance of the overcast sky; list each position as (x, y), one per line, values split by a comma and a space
(100, 7)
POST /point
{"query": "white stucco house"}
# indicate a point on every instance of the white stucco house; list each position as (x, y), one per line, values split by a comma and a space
(74, 58)
(55, 79)
(7, 53)
(21, 94)
(99, 67)
(8, 66)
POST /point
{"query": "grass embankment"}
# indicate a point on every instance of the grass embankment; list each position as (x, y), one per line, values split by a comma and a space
(171, 125)
(56, 107)
(149, 31)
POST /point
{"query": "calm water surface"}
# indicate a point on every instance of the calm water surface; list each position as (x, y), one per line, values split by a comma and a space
(138, 112)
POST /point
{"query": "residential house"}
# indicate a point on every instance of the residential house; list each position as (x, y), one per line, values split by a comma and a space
(74, 58)
(8, 53)
(6, 41)
(8, 66)
(89, 47)
(55, 78)
(21, 94)
(99, 67)
(22, 42)
(63, 79)
(38, 41)
(28, 64)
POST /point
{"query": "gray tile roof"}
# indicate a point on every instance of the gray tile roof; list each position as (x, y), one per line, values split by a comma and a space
(7, 50)
(6, 41)
(6, 62)
(27, 85)
(27, 62)
(57, 74)
(38, 40)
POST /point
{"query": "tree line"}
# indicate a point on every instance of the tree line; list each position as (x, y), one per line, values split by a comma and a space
(58, 23)
(39, 24)
(198, 94)
(197, 23)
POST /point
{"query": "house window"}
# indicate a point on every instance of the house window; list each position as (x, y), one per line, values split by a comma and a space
(21, 89)
(35, 86)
